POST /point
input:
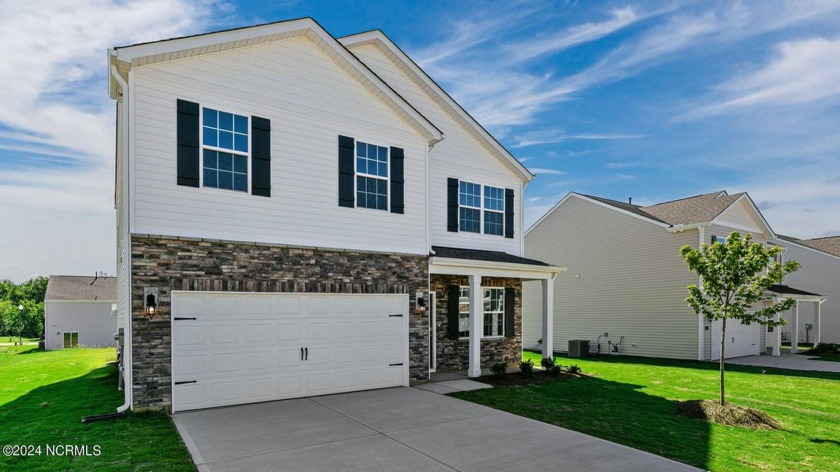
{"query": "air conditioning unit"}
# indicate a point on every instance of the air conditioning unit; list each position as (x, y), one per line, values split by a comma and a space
(578, 347)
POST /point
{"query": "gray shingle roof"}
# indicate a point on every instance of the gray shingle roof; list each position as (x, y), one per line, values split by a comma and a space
(685, 211)
(830, 245)
(481, 255)
(785, 290)
(81, 288)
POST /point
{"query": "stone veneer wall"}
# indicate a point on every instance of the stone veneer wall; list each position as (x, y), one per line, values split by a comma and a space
(170, 263)
(453, 354)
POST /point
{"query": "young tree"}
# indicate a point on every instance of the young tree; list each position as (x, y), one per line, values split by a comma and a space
(735, 276)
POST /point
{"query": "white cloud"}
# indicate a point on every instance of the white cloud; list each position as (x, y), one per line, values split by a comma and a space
(542, 171)
(572, 36)
(534, 138)
(802, 71)
(55, 104)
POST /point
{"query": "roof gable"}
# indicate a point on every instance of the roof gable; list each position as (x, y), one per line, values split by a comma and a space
(438, 95)
(81, 288)
(190, 46)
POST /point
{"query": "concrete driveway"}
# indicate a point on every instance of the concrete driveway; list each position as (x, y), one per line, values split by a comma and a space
(397, 429)
(788, 361)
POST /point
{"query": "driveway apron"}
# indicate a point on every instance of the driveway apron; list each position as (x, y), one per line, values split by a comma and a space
(395, 429)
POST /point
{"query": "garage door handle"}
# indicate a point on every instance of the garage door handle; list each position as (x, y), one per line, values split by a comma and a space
(186, 382)
(183, 319)
(301, 353)
(307, 354)
(396, 316)
(392, 365)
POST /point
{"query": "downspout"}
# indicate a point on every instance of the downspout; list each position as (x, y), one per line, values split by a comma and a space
(701, 336)
(127, 333)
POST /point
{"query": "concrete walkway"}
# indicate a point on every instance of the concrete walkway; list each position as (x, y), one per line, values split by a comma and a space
(396, 429)
(788, 361)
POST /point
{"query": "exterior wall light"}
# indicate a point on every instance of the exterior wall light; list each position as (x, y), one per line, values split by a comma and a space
(150, 301)
(421, 304)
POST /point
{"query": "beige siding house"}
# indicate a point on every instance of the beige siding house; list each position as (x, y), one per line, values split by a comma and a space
(626, 282)
(820, 273)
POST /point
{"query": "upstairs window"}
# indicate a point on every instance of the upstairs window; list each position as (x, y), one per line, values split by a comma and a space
(470, 207)
(494, 210)
(371, 176)
(225, 150)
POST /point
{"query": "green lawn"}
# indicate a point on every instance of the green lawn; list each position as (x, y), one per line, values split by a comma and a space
(631, 401)
(45, 394)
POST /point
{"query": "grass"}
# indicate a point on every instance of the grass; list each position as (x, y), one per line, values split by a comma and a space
(45, 394)
(631, 401)
(4, 341)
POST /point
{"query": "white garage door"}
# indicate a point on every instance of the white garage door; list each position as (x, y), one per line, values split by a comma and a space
(232, 348)
(741, 340)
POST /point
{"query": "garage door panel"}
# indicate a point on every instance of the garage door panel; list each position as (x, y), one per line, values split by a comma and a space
(242, 348)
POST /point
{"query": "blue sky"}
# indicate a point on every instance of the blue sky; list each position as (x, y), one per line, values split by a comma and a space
(651, 100)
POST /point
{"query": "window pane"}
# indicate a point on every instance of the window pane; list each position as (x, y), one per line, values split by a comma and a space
(226, 139)
(225, 121)
(383, 154)
(361, 166)
(470, 194)
(240, 142)
(211, 118)
(463, 325)
(240, 182)
(226, 180)
(211, 178)
(211, 137)
(240, 164)
(211, 159)
(225, 161)
(494, 198)
(381, 202)
(361, 149)
(372, 193)
(240, 124)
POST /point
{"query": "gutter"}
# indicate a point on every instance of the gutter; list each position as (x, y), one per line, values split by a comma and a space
(127, 333)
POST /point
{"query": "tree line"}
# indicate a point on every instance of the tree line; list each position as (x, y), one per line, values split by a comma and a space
(22, 308)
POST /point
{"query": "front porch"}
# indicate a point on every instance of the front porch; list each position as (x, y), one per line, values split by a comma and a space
(783, 292)
(476, 318)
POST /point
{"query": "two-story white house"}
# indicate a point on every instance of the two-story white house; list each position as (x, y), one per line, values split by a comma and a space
(301, 215)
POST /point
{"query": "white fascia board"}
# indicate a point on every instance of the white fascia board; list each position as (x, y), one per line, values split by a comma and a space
(378, 37)
(81, 301)
(769, 231)
(450, 266)
(596, 202)
(800, 298)
(198, 44)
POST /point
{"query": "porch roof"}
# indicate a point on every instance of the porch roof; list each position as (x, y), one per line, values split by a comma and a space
(785, 291)
(461, 261)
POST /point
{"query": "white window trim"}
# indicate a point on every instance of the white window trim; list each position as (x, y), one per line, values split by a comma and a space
(500, 336)
(356, 173)
(500, 313)
(202, 147)
(481, 208)
(502, 212)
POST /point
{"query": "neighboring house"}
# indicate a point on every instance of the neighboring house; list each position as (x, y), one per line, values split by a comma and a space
(820, 274)
(627, 281)
(79, 311)
(302, 215)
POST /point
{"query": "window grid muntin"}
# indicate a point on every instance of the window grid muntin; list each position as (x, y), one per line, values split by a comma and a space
(238, 125)
(480, 208)
(494, 312)
(372, 163)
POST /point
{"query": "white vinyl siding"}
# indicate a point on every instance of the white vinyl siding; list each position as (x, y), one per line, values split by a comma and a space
(625, 277)
(310, 101)
(458, 156)
(93, 321)
(740, 218)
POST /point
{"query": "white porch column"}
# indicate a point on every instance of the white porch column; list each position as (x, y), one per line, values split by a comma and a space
(476, 325)
(548, 318)
(817, 324)
(794, 343)
(777, 334)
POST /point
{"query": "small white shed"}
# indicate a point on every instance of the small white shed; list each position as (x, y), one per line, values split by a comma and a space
(79, 311)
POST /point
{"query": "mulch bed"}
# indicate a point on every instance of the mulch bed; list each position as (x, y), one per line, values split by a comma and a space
(728, 414)
(516, 379)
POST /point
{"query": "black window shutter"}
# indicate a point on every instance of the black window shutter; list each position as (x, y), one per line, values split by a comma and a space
(452, 202)
(260, 156)
(188, 146)
(397, 180)
(346, 171)
(453, 318)
(510, 312)
(508, 213)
